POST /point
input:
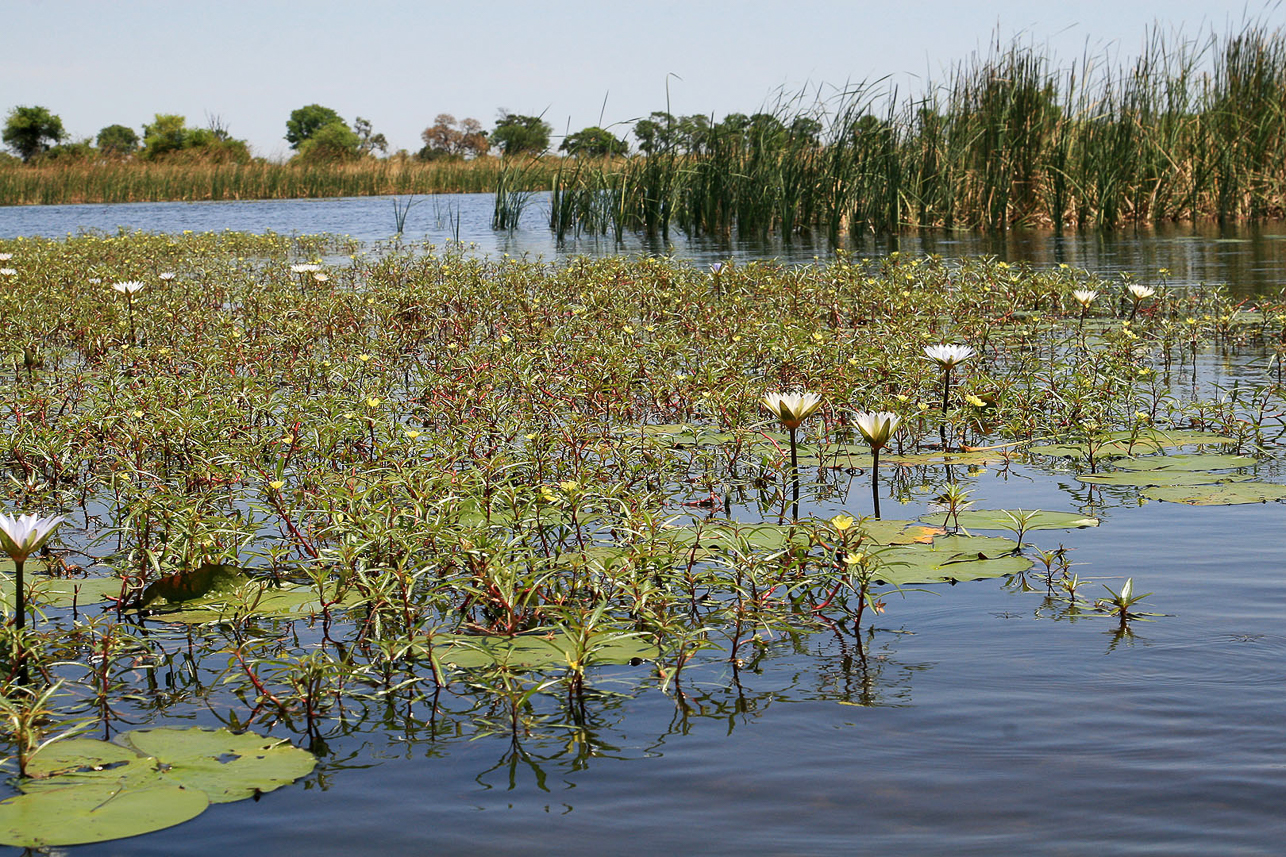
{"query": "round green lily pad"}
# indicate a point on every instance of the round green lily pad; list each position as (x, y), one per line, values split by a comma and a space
(226, 766)
(1186, 462)
(1146, 478)
(81, 790)
(1224, 494)
(1037, 519)
(95, 812)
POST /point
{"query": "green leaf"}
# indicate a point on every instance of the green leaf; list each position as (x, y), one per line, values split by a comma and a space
(1185, 462)
(226, 766)
(1120, 443)
(999, 519)
(1226, 494)
(950, 558)
(189, 585)
(1145, 478)
(60, 591)
(98, 812)
(81, 790)
(538, 651)
(254, 598)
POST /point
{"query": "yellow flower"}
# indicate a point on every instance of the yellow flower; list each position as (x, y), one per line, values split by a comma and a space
(138, 414)
(569, 486)
(975, 401)
(840, 523)
(412, 434)
(276, 484)
(364, 357)
(288, 438)
(372, 402)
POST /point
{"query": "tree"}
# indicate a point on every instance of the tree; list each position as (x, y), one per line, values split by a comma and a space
(446, 138)
(368, 142)
(166, 133)
(31, 130)
(307, 121)
(655, 133)
(117, 140)
(168, 136)
(593, 142)
(331, 142)
(516, 134)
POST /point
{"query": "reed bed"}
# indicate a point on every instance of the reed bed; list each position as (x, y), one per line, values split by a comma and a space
(1191, 129)
(120, 181)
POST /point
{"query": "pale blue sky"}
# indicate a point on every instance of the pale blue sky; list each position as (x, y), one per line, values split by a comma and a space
(399, 63)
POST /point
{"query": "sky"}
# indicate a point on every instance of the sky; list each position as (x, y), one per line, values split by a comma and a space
(399, 63)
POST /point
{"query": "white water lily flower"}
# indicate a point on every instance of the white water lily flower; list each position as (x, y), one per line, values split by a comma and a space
(5, 257)
(947, 356)
(20, 537)
(305, 269)
(877, 427)
(1084, 297)
(1140, 292)
(167, 276)
(792, 408)
(128, 287)
(8, 272)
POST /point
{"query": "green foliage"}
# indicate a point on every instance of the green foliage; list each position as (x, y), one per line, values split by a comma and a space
(80, 150)
(81, 790)
(117, 141)
(593, 142)
(305, 122)
(516, 134)
(332, 142)
(168, 137)
(28, 131)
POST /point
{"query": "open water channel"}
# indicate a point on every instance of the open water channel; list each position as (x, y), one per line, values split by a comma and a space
(984, 720)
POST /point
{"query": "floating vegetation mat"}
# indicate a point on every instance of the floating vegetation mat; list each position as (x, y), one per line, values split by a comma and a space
(302, 485)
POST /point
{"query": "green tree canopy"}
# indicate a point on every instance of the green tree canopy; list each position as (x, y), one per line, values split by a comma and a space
(117, 140)
(593, 142)
(332, 142)
(516, 134)
(168, 135)
(307, 121)
(31, 130)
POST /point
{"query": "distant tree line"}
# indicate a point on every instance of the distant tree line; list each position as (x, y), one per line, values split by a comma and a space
(319, 134)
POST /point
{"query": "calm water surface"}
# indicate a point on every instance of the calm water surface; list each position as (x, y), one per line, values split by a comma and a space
(1249, 259)
(984, 721)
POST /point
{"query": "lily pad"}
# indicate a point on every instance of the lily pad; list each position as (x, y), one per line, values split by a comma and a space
(1188, 462)
(950, 558)
(80, 790)
(78, 814)
(1167, 478)
(61, 591)
(226, 766)
(1122, 443)
(1224, 494)
(195, 583)
(538, 651)
(1039, 519)
(251, 597)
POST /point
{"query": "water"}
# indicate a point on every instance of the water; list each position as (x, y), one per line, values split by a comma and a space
(1250, 259)
(983, 721)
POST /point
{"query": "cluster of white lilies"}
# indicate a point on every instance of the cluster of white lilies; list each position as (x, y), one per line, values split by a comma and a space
(876, 427)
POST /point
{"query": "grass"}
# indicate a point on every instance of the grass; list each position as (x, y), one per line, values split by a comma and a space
(116, 181)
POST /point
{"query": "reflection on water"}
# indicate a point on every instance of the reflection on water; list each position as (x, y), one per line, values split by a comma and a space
(1251, 258)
